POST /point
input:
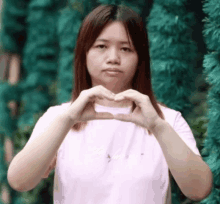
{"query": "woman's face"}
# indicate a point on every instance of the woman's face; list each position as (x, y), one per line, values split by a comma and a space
(109, 52)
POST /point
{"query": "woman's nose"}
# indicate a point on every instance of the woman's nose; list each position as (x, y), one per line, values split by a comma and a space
(113, 55)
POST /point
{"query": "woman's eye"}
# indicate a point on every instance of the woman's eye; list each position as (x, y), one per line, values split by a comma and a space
(129, 50)
(125, 48)
(100, 45)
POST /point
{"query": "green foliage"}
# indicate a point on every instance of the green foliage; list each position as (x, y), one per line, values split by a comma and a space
(48, 57)
(13, 31)
(211, 70)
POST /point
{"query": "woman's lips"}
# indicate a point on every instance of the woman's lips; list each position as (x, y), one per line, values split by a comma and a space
(112, 73)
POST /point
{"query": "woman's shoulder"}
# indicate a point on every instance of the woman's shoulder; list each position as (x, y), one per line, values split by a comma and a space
(168, 112)
(60, 106)
(162, 106)
(55, 110)
(65, 104)
(166, 108)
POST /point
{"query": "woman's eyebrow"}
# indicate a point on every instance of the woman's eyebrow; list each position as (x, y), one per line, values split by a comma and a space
(122, 42)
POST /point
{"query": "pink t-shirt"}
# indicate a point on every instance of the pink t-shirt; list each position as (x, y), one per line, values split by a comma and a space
(111, 161)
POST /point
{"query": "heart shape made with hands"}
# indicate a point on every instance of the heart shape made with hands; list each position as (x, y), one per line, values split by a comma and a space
(143, 115)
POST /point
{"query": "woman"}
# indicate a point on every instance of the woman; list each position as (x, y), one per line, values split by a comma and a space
(104, 154)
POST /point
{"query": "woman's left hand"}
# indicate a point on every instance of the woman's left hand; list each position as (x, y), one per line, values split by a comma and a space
(144, 114)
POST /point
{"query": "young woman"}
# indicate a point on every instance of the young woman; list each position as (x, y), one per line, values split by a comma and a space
(97, 142)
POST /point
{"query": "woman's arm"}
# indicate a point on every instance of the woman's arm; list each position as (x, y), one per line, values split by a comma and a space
(30, 164)
(51, 167)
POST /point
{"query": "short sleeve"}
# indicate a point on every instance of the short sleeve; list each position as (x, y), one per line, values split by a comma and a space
(44, 121)
(183, 130)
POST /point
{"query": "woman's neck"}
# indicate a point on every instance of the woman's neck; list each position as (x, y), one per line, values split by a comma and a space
(119, 104)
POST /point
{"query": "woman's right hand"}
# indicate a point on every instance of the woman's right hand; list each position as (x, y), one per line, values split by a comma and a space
(82, 109)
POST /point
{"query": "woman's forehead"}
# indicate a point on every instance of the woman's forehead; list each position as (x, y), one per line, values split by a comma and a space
(114, 32)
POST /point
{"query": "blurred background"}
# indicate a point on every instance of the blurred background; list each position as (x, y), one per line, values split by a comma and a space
(36, 54)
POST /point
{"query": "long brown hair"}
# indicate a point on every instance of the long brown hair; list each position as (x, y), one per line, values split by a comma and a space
(90, 29)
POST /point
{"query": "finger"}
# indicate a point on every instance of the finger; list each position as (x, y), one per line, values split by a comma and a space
(129, 96)
(106, 95)
(109, 94)
(106, 90)
(104, 116)
(119, 98)
(123, 117)
(101, 93)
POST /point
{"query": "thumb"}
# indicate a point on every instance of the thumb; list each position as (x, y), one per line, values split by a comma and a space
(123, 117)
(104, 115)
